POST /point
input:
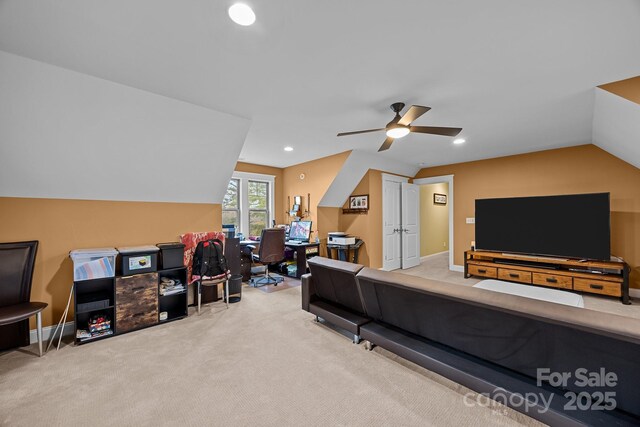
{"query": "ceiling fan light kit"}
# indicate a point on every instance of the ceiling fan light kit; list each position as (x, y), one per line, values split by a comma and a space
(400, 126)
(398, 131)
(242, 14)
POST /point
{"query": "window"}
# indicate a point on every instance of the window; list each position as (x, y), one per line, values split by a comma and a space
(258, 207)
(248, 203)
(231, 204)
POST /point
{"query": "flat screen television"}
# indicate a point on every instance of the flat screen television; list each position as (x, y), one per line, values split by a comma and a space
(568, 226)
(300, 231)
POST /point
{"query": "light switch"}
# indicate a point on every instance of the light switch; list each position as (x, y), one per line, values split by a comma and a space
(471, 220)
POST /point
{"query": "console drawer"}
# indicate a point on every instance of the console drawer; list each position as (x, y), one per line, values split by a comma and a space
(514, 275)
(480, 270)
(597, 287)
(563, 282)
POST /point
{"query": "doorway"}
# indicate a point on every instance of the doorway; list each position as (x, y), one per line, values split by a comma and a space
(444, 181)
(434, 220)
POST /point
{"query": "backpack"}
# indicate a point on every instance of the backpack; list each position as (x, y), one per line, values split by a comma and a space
(208, 259)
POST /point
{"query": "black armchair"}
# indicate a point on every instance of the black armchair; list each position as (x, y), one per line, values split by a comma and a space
(16, 273)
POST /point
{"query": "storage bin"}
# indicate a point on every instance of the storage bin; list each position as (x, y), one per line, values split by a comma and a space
(93, 263)
(137, 260)
(93, 305)
(171, 255)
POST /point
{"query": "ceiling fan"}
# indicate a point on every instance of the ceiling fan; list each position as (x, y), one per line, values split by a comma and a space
(401, 126)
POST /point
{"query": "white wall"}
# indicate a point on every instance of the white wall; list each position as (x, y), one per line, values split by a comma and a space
(65, 134)
(354, 169)
(616, 126)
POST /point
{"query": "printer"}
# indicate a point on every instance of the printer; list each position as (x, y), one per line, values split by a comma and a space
(340, 238)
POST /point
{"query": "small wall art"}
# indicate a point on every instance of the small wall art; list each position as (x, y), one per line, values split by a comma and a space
(360, 202)
(439, 199)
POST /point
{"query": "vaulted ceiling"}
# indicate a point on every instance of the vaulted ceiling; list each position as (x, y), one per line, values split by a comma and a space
(517, 76)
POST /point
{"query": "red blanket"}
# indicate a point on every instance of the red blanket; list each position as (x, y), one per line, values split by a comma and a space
(190, 241)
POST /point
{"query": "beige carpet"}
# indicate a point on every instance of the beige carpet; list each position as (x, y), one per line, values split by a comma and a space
(263, 361)
(437, 267)
(287, 283)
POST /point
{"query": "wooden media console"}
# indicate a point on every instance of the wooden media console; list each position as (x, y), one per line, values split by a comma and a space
(596, 277)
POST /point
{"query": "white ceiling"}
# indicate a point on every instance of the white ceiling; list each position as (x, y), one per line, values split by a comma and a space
(81, 137)
(517, 76)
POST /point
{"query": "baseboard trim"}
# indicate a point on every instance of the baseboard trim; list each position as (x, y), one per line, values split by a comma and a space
(422, 258)
(48, 331)
(634, 292)
(458, 268)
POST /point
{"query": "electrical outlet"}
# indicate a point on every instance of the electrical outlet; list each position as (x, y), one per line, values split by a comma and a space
(444, 244)
(471, 220)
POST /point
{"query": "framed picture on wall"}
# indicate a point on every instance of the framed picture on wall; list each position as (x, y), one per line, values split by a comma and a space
(439, 199)
(359, 202)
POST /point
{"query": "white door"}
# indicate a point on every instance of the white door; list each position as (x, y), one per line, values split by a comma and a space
(391, 235)
(410, 225)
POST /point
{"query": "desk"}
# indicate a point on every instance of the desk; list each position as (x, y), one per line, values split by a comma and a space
(245, 258)
(302, 252)
(345, 252)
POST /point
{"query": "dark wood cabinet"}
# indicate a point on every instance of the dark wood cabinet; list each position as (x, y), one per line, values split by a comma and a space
(232, 255)
(295, 255)
(129, 302)
(136, 301)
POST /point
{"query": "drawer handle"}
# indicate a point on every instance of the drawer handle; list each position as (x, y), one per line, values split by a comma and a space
(552, 280)
(514, 275)
(482, 270)
(139, 288)
(138, 315)
(592, 286)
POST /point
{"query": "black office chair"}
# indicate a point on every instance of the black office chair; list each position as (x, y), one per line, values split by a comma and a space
(271, 252)
(16, 273)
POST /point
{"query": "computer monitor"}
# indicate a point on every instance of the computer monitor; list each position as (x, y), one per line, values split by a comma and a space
(300, 231)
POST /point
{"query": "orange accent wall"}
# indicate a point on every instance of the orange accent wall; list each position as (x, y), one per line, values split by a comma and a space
(64, 225)
(367, 227)
(581, 169)
(628, 88)
(328, 220)
(318, 176)
(278, 203)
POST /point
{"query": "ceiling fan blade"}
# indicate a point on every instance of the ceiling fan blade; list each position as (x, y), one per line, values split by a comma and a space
(436, 130)
(413, 113)
(359, 131)
(386, 144)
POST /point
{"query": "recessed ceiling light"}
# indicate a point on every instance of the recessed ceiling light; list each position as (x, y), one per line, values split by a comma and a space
(459, 141)
(242, 14)
(288, 148)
